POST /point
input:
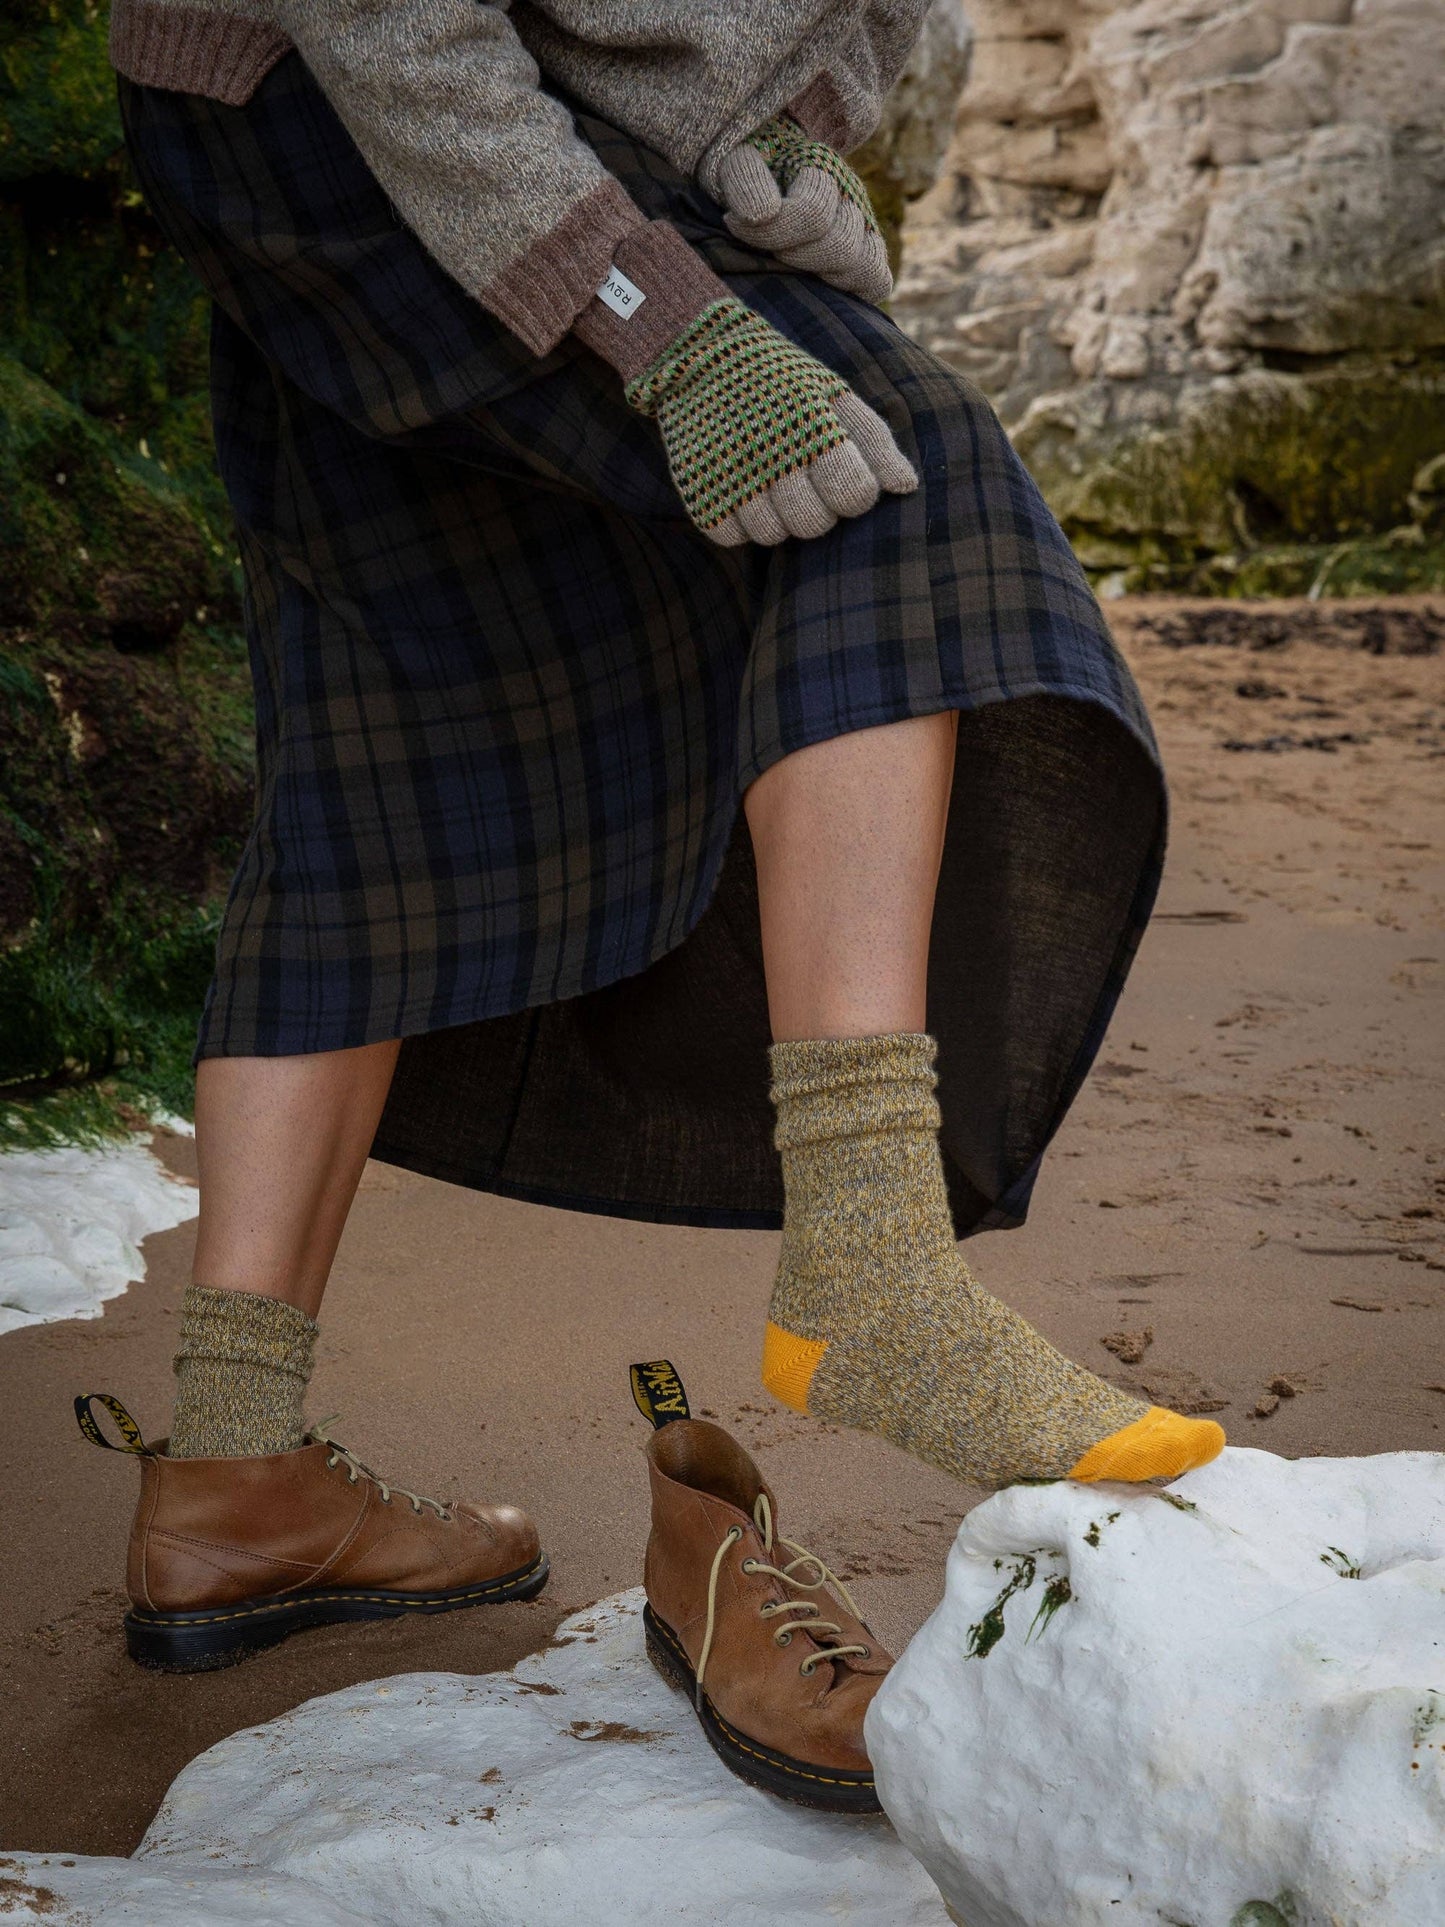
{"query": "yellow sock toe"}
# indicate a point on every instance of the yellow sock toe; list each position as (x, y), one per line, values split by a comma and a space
(789, 1364)
(1161, 1445)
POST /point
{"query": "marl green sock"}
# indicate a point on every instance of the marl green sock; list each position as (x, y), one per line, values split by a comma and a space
(875, 1319)
(241, 1375)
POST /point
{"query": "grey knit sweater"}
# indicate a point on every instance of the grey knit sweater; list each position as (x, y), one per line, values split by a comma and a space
(443, 98)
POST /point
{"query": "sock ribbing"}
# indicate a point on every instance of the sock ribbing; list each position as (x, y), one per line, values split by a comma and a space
(241, 1375)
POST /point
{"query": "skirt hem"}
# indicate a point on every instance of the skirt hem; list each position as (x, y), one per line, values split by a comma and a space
(586, 981)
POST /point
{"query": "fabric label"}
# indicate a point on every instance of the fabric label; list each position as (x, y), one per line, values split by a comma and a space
(622, 296)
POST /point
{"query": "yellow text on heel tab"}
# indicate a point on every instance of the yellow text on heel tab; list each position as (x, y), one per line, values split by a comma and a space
(658, 1392)
(130, 1432)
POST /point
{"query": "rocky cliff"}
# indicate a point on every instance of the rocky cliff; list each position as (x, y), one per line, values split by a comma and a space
(1194, 251)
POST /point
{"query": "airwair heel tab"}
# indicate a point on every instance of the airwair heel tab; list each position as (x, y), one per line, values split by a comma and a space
(130, 1433)
(657, 1391)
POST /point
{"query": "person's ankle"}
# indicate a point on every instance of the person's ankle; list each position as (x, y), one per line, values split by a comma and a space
(242, 1369)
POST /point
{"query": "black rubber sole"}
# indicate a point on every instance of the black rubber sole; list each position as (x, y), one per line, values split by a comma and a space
(205, 1641)
(831, 1789)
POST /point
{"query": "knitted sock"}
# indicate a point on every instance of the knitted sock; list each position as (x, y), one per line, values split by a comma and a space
(241, 1375)
(875, 1320)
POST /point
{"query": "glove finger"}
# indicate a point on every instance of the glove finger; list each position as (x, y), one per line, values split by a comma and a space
(801, 509)
(873, 281)
(808, 210)
(749, 189)
(728, 534)
(873, 438)
(836, 256)
(761, 521)
(844, 236)
(853, 257)
(843, 481)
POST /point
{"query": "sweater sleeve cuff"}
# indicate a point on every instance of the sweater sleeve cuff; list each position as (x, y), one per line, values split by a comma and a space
(821, 111)
(541, 293)
(676, 283)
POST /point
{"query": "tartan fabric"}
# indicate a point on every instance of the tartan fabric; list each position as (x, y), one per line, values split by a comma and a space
(508, 700)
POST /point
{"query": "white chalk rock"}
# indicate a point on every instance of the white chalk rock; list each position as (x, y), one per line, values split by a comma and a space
(71, 1225)
(1218, 1706)
(67, 1890)
(575, 1789)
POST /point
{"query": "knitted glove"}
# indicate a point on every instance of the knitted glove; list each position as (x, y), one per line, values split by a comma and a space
(795, 197)
(762, 440)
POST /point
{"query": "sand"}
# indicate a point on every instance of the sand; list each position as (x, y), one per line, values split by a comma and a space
(1245, 1213)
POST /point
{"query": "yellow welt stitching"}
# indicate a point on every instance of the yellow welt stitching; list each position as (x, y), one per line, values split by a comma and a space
(363, 1598)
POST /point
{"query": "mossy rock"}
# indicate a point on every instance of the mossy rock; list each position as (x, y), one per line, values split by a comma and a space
(125, 711)
(57, 93)
(873, 163)
(1277, 461)
(125, 763)
(94, 536)
(123, 691)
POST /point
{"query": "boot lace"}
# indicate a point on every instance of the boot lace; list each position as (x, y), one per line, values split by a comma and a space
(356, 1470)
(807, 1613)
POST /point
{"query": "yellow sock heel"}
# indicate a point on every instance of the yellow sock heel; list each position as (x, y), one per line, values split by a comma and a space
(1161, 1445)
(789, 1364)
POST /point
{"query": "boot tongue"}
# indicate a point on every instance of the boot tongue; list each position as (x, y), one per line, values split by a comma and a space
(696, 1453)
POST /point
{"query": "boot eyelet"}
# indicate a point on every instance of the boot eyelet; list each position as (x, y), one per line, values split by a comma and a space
(750, 1565)
(867, 1653)
(386, 1499)
(806, 1669)
(784, 1638)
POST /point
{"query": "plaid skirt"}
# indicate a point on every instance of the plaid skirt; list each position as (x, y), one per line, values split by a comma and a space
(508, 701)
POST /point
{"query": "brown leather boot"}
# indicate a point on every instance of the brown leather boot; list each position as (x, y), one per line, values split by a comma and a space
(780, 1670)
(228, 1556)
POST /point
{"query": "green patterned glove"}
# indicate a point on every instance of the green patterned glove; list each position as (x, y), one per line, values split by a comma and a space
(795, 197)
(763, 441)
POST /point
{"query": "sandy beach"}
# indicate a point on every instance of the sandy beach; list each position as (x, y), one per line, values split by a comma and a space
(1244, 1214)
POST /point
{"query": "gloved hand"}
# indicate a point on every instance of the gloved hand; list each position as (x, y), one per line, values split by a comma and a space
(795, 197)
(762, 440)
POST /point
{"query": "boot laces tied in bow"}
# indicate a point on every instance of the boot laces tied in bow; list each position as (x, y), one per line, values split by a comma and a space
(355, 1470)
(808, 1612)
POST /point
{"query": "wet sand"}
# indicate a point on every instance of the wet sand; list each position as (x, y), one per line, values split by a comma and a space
(1245, 1212)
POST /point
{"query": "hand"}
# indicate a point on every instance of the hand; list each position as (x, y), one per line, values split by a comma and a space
(795, 197)
(762, 440)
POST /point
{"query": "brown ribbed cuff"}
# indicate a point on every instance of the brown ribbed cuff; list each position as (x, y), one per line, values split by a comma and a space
(543, 291)
(190, 51)
(678, 285)
(820, 111)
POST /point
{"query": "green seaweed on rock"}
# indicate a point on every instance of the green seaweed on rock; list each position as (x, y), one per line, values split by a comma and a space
(1284, 481)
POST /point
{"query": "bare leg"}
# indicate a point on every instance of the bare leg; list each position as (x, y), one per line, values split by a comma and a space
(281, 1143)
(848, 836)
